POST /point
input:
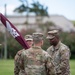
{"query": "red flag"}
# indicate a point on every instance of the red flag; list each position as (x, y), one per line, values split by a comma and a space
(13, 31)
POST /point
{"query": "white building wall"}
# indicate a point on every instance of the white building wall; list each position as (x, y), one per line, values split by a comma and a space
(58, 20)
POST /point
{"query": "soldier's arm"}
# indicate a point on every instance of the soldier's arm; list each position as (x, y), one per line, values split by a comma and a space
(50, 66)
(17, 62)
(16, 65)
(16, 70)
(64, 65)
(22, 61)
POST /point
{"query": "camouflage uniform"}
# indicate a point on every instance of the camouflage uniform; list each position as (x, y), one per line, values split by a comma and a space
(60, 55)
(17, 69)
(36, 61)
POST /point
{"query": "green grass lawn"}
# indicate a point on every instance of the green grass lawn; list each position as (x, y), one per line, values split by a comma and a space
(7, 67)
(72, 66)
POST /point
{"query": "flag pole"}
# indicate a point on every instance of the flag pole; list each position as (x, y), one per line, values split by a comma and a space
(5, 37)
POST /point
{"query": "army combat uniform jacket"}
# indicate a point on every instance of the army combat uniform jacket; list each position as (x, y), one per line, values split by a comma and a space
(60, 57)
(36, 62)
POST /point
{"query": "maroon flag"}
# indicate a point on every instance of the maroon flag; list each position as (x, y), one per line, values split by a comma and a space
(13, 31)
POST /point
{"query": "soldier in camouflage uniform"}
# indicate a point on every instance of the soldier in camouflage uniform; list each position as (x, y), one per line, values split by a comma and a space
(59, 53)
(36, 61)
(17, 69)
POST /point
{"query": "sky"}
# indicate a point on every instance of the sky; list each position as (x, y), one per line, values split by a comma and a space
(65, 8)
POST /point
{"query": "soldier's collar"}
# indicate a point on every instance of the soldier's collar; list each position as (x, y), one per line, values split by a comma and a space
(36, 47)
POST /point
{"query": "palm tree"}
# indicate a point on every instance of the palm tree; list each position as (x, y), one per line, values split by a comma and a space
(24, 7)
(36, 8)
(39, 11)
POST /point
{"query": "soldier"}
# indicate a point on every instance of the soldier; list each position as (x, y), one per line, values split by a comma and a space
(17, 69)
(36, 61)
(59, 53)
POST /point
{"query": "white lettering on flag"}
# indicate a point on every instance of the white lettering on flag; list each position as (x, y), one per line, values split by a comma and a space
(11, 30)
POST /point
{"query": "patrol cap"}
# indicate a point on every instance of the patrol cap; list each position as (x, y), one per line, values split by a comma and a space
(52, 34)
(28, 37)
(37, 36)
